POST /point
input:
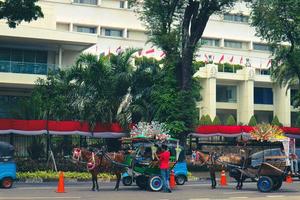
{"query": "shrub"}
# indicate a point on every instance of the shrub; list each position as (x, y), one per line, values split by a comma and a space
(276, 122)
(205, 120)
(252, 121)
(298, 121)
(208, 120)
(230, 121)
(217, 120)
(36, 149)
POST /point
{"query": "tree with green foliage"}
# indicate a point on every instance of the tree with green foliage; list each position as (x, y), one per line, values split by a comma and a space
(297, 124)
(176, 27)
(278, 23)
(217, 120)
(230, 121)
(252, 121)
(16, 11)
(276, 122)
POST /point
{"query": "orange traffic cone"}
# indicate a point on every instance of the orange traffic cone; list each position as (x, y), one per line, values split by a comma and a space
(61, 183)
(172, 180)
(223, 180)
(289, 179)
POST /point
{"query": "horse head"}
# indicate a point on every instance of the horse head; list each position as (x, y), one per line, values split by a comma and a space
(76, 155)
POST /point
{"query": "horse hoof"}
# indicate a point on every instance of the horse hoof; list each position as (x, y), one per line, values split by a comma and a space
(93, 189)
(116, 189)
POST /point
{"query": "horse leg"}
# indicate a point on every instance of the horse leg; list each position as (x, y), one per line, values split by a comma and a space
(96, 180)
(93, 180)
(118, 181)
(212, 178)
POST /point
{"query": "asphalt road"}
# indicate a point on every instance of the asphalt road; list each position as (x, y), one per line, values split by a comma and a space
(190, 191)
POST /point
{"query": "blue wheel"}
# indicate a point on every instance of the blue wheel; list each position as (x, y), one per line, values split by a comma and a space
(265, 184)
(155, 183)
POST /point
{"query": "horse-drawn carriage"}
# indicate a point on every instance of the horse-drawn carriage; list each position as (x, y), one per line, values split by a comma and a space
(144, 167)
(139, 164)
(7, 165)
(268, 170)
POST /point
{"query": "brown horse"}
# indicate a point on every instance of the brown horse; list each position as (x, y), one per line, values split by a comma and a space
(101, 162)
(231, 162)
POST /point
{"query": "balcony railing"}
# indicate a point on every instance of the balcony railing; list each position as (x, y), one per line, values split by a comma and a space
(26, 67)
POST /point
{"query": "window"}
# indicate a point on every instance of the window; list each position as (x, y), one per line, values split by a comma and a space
(210, 42)
(263, 95)
(235, 44)
(226, 93)
(113, 32)
(92, 2)
(85, 29)
(23, 55)
(261, 47)
(122, 4)
(236, 18)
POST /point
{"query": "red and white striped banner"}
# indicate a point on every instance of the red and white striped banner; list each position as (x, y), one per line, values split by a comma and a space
(39, 127)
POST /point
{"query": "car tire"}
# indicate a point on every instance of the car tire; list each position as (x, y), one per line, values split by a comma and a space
(277, 183)
(180, 179)
(127, 181)
(7, 183)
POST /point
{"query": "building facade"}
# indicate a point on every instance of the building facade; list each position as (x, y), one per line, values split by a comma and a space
(101, 26)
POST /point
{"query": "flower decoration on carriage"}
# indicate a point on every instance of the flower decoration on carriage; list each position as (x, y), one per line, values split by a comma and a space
(267, 132)
(154, 130)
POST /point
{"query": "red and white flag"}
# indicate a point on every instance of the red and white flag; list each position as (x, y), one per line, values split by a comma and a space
(241, 60)
(269, 63)
(231, 59)
(118, 50)
(149, 51)
(162, 54)
(221, 59)
(206, 58)
(140, 52)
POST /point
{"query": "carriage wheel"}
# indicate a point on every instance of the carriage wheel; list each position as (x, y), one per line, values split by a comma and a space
(127, 180)
(265, 184)
(155, 183)
(141, 182)
(277, 183)
(7, 183)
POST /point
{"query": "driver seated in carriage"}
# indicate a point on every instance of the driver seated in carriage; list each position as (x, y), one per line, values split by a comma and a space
(144, 156)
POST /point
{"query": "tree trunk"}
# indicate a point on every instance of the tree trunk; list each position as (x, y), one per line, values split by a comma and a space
(186, 68)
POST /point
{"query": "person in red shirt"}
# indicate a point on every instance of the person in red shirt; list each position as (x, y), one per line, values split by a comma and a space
(164, 158)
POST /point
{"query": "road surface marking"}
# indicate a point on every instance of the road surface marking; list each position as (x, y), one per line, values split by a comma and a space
(245, 192)
(200, 199)
(238, 197)
(25, 198)
(275, 196)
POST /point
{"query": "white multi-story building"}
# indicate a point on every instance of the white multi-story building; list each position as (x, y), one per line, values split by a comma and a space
(72, 26)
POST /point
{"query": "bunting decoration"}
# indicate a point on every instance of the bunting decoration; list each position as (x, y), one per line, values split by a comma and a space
(231, 59)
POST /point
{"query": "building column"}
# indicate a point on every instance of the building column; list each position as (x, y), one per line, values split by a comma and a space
(60, 57)
(246, 96)
(71, 27)
(208, 104)
(282, 104)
